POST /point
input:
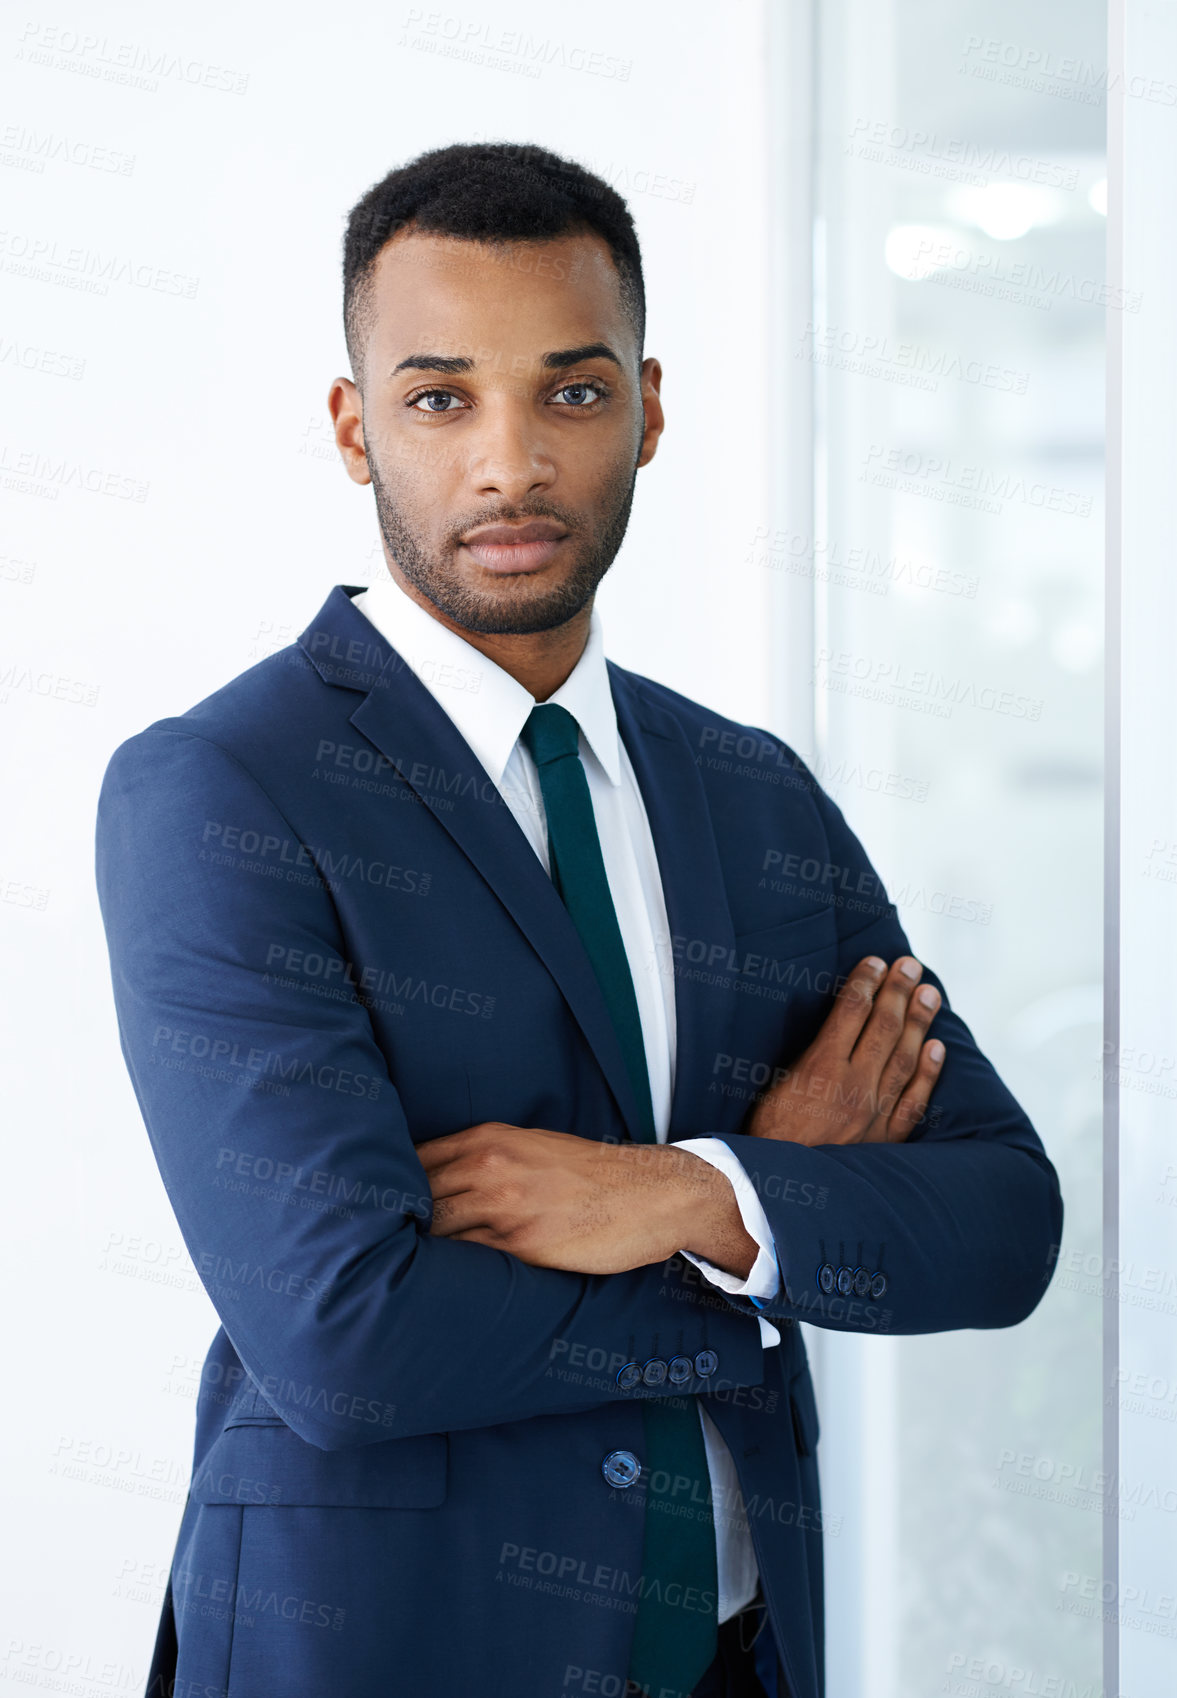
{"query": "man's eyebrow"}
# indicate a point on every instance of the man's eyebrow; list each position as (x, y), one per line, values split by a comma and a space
(573, 356)
(452, 365)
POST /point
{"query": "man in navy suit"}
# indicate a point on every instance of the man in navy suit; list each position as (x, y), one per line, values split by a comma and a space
(526, 1050)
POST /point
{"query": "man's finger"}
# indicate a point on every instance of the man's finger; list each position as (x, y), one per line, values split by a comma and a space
(450, 1178)
(435, 1153)
(897, 1073)
(909, 1110)
(884, 1028)
(459, 1212)
(852, 1006)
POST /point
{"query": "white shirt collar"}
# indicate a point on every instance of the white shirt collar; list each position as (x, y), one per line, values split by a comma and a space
(486, 704)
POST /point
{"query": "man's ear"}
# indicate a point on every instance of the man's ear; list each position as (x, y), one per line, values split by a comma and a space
(654, 417)
(346, 406)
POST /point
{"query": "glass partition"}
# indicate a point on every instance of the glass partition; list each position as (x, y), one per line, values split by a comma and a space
(955, 353)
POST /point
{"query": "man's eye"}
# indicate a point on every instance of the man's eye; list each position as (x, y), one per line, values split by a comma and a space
(432, 395)
(584, 394)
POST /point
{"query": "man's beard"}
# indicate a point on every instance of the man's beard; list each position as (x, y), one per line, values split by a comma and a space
(483, 611)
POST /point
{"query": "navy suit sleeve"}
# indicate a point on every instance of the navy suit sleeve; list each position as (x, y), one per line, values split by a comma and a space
(962, 1221)
(289, 1163)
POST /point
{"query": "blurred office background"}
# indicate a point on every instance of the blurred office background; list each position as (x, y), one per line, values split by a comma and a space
(874, 242)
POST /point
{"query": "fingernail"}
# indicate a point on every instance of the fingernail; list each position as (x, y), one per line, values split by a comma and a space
(936, 1051)
(928, 996)
(911, 969)
(875, 965)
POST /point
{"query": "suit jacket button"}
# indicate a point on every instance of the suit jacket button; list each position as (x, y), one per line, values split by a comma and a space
(845, 1281)
(706, 1363)
(861, 1282)
(878, 1284)
(621, 1468)
(629, 1376)
(825, 1277)
(654, 1371)
(679, 1369)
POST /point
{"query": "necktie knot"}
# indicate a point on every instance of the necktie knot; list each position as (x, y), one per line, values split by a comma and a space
(551, 733)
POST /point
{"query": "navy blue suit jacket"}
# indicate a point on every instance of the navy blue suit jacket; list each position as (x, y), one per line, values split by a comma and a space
(330, 941)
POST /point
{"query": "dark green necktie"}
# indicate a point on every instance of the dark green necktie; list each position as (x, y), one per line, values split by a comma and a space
(673, 1642)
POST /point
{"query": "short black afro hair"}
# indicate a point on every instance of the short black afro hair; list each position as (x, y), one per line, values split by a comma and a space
(486, 192)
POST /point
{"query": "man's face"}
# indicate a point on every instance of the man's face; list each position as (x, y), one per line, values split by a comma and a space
(490, 399)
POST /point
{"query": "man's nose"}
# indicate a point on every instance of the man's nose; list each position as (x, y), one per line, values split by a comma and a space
(509, 456)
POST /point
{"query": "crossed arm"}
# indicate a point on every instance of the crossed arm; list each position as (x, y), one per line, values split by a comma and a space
(559, 1201)
(333, 1312)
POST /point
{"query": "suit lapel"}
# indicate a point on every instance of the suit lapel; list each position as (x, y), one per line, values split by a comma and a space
(692, 883)
(402, 719)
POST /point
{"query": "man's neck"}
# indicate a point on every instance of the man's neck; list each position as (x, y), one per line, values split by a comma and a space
(539, 660)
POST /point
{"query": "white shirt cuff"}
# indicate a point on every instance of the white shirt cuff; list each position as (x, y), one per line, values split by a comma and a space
(764, 1279)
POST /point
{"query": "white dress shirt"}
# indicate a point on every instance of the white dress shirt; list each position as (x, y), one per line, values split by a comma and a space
(489, 709)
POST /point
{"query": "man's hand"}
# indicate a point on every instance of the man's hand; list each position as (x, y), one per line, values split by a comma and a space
(558, 1201)
(867, 1076)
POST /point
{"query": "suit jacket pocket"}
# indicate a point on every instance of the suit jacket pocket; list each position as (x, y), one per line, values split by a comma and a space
(250, 1405)
(265, 1462)
(791, 939)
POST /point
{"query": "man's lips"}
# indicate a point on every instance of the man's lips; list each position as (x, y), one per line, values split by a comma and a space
(515, 548)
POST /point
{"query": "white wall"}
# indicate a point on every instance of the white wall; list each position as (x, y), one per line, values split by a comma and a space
(171, 329)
